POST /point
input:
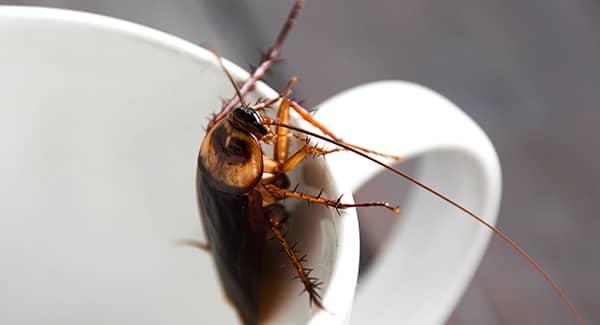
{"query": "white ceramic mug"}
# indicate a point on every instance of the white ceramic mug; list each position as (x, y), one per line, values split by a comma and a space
(100, 121)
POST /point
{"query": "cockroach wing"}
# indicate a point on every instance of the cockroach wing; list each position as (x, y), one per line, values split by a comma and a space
(235, 229)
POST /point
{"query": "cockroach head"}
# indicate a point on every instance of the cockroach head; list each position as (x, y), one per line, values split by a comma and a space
(247, 119)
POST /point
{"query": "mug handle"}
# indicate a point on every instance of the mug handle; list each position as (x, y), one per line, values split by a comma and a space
(431, 256)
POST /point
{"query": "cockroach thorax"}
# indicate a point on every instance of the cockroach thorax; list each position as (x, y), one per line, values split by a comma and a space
(231, 158)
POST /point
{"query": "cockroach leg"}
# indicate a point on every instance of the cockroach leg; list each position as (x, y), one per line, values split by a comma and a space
(194, 243)
(274, 216)
(282, 193)
(308, 118)
(305, 115)
(264, 66)
(261, 105)
(282, 151)
(294, 160)
(288, 89)
(305, 151)
(270, 166)
(282, 142)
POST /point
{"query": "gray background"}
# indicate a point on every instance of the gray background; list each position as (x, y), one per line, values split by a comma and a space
(526, 71)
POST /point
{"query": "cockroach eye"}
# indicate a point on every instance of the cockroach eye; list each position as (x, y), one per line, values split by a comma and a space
(248, 119)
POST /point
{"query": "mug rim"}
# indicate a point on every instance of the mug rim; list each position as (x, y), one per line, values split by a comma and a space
(131, 29)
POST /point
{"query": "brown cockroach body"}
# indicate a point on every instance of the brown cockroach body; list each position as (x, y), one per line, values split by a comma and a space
(240, 188)
(229, 168)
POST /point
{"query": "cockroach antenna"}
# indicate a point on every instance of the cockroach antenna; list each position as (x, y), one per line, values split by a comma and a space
(547, 278)
(265, 65)
(238, 92)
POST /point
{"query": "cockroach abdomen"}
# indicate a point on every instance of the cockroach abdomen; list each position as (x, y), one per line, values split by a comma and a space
(235, 228)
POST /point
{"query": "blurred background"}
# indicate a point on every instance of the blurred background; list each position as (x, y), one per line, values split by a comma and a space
(527, 71)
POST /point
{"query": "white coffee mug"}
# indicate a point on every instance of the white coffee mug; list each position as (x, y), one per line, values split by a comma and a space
(100, 122)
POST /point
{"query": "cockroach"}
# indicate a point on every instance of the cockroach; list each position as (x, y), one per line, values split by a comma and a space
(240, 188)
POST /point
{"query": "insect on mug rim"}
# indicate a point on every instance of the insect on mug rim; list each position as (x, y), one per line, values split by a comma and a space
(188, 52)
